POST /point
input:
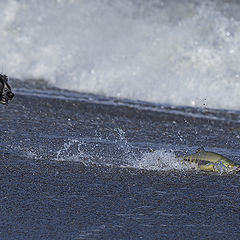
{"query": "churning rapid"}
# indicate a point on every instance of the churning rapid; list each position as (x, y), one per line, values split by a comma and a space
(168, 52)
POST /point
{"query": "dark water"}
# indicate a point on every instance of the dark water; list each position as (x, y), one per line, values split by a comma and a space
(72, 168)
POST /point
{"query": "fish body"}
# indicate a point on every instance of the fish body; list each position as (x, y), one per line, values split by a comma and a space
(210, 162)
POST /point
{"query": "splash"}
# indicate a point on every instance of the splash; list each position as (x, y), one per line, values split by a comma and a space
(126, 149)
(125, 156)
(159, 160)
(72, 151)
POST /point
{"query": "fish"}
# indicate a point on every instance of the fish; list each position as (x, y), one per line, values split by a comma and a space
(210, 162)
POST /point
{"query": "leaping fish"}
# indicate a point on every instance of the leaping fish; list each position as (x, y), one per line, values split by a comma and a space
(210, 162)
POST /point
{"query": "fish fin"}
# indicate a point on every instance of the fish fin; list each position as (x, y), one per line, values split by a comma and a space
(200, 149)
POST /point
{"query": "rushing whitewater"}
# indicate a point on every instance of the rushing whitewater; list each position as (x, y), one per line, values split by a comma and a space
(168, 52)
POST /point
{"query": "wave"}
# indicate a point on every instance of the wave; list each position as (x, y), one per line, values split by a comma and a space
(168, 52)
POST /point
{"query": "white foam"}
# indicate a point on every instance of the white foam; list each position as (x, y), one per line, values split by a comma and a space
(181, 53)
(160, 160)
